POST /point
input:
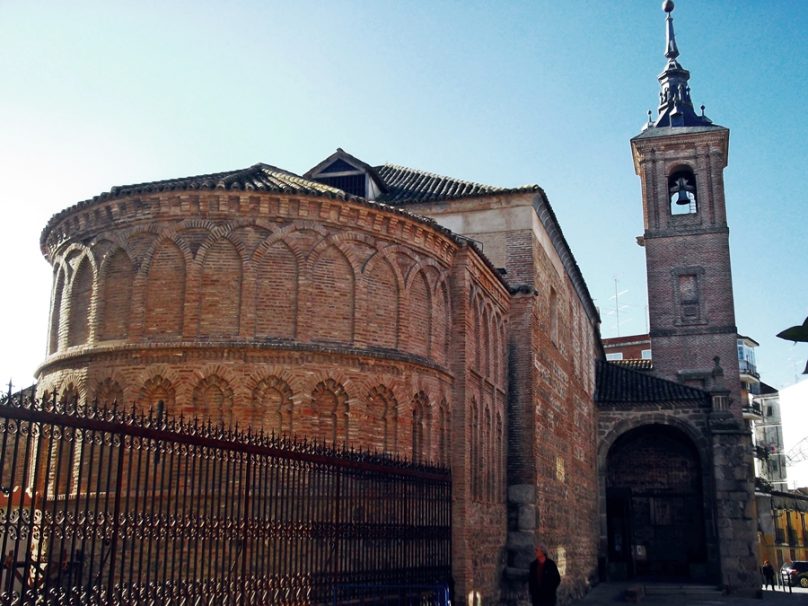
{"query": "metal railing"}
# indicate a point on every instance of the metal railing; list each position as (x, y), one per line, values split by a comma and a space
(748, 368)
(392, 595)
(104, 506)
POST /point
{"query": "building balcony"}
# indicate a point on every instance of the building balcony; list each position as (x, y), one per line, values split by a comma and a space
(747, 368)
(752, 412)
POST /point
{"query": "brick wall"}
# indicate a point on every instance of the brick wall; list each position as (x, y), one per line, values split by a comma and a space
(551, 450)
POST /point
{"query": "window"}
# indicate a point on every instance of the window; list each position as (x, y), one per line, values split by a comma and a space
(614, 356)
(645, 354)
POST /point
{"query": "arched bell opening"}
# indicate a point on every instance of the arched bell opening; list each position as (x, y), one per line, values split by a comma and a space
(655, 506)
(682, 190)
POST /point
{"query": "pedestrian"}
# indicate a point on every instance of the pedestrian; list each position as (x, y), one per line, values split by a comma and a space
(768, 574)
(544, 578)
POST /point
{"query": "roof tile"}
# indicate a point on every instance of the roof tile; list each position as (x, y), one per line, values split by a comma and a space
(260, 177)
(618, 385)
(409, 186)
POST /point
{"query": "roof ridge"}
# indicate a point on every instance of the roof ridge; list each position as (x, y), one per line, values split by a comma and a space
(432, 175)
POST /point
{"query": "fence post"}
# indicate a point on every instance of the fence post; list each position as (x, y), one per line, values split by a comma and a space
(245, 536)
(117, 507)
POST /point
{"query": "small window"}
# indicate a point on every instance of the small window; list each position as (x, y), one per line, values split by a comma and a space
(614, 356)
(769, 411)
(645, 354)
(682, 190)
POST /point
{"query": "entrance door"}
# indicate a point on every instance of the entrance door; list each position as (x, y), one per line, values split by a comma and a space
(654, 507)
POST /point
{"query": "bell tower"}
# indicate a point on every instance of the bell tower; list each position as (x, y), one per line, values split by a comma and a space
(680, 158)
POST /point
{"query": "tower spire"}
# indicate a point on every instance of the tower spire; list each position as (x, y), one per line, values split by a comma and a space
(671, 52)
(675, 104)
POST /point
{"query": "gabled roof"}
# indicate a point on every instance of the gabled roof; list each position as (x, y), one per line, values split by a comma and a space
(341, 156)
(618, 385)
(410, 186)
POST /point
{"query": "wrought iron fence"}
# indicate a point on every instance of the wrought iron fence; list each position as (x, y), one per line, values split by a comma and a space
(104, 506)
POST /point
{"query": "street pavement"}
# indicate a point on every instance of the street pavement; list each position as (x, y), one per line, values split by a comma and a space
(614, 594)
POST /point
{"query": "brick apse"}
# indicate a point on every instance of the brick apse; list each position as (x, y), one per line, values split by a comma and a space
(270, 299)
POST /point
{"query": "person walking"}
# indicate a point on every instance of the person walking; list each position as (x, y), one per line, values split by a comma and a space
(768, 574)
(544, 578)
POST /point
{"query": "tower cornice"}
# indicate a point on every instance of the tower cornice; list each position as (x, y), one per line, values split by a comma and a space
(661, 144)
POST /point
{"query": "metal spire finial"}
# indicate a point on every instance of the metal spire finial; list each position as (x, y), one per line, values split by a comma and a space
(671, 52)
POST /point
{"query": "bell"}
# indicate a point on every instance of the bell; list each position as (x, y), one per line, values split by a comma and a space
(682, 199)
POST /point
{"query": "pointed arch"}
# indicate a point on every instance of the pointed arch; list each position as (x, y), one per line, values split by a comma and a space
(81, 298)
(165, 291)
(117, 277)
(220, 291)
(379, 326)
(474, 467)
(487, 452)
(330, 302)
(485, 342)
(420, 314)
(444, 432)
(330, 405)
(499, 458)
(56, 310)
(273, 407)
(157, 388)
(276, 293)
(108, 392)
(420, 427)
(472, 333)
(383, 408)
(213, 399)
(440, 324)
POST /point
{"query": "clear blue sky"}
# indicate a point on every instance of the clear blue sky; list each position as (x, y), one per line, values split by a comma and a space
(96, 94)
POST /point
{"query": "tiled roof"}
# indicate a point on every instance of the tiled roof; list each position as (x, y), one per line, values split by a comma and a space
(259, 177)
(618, 385)
(409, 186)
(635, 364)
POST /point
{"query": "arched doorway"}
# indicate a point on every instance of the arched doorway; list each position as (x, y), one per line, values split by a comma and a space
(655, 506)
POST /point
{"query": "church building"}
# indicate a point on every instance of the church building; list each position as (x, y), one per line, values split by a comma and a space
(404, 312)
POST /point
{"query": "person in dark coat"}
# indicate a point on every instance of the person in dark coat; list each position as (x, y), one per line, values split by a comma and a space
(768, 574)
(544, 579)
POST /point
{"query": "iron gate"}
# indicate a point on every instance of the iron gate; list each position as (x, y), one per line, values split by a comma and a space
(102, 506)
